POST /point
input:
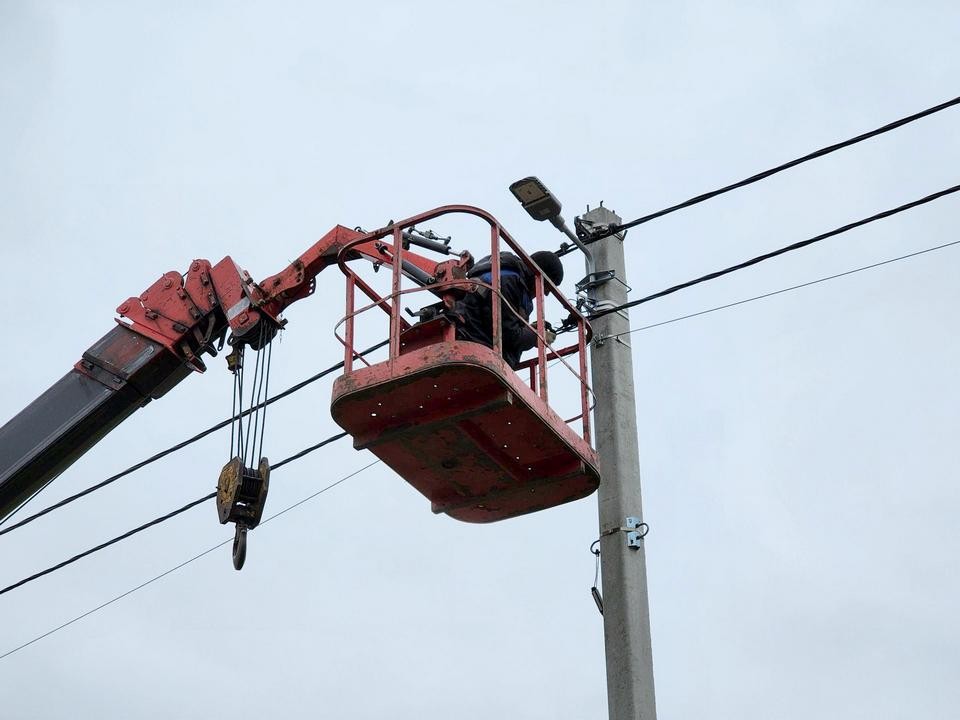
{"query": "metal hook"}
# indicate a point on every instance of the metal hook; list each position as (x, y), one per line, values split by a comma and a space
(239, 547)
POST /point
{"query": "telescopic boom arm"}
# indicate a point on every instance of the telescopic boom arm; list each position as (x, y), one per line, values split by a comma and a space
(160, 338)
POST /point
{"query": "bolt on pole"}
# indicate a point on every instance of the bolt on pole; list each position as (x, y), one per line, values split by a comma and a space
(626, 608)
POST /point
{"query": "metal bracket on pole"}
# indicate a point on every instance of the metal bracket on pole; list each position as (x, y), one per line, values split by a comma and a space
(599, 340)
(586, 300)
(635, 529)
(596, 279)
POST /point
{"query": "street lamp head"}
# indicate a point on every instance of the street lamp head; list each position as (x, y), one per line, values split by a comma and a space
(536, 199)
(542, 205)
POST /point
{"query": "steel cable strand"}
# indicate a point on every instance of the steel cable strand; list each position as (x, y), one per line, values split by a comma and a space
(179, 446)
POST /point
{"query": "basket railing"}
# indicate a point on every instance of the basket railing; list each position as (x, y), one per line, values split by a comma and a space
(537, 366)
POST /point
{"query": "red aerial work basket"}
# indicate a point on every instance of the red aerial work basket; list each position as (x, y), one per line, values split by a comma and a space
(451, 417)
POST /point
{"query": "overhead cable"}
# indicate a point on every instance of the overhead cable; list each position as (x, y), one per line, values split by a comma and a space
(185, 443)
(307, 451)
(786, 289)
(157, 521)
(26, 502)
(773, 171)
(778, 252)
(108, 543)
(162, 575)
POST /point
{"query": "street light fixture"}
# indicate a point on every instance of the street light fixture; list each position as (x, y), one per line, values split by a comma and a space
(541, 204)
(536, 199)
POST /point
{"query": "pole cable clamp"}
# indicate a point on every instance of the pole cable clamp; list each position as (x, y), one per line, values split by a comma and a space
(595, 591)
(635, 529)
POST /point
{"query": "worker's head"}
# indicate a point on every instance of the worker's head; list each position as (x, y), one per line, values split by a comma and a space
(550, 263)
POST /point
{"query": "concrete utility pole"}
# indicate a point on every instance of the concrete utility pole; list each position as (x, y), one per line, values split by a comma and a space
(626, 608)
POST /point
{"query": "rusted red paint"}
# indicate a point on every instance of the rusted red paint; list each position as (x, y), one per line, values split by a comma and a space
(459, 425)
(451, 417)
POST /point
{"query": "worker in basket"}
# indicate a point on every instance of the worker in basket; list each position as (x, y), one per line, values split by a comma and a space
(517, 290)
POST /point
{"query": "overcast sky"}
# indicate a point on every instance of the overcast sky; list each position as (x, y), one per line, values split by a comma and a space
(799, 453)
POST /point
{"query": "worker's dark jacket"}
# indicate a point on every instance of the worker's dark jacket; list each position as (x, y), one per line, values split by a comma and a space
(516, 287)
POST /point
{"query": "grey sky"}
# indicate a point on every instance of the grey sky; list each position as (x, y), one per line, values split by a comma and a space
(799, 453)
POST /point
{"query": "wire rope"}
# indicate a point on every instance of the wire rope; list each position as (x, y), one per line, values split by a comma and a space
(179, 446)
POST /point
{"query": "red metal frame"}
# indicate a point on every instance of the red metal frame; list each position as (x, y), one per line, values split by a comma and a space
(454, 421)
(451, 417)
(448, 289)
(168, 328)
(185, 312)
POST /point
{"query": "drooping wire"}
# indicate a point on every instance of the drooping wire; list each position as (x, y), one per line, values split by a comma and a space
(189, 441)
(595, 589)
(157, 521)
(780, 251)
(772, 171)
(172, 570)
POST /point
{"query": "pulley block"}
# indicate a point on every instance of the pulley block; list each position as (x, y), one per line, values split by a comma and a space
(241, 496)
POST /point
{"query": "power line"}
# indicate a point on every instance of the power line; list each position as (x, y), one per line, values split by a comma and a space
(179, 446)
(787, 289)
(308, 450)
(157, 521)
(630, 332)
(773, 171)
(341, 435)
(775, 292)
(108, 543)
(115, 599)
(780, 251)
(176, 567)
(26, 502)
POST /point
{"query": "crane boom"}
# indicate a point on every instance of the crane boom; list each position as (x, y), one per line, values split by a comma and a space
(161, 338)
(78, 410)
